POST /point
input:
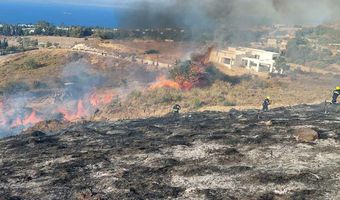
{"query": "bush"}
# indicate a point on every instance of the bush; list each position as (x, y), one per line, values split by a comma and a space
(170, 97)
(48, 44)
(259, 84)
(229, 103)
(152, 51)
(39, 85)
(16, 87)
(163, 95)
(31, 63)
(135, 94)
(213, 74)
(197, 103)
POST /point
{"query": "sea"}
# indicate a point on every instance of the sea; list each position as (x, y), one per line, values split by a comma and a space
(59, 14)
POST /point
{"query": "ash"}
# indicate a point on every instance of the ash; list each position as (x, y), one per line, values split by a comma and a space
(209, 155)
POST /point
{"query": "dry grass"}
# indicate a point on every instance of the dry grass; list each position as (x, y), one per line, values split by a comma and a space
(64, 42)
(52, 61)
(223, 96)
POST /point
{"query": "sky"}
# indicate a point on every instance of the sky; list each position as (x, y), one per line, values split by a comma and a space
(162, 13)
(99, 3)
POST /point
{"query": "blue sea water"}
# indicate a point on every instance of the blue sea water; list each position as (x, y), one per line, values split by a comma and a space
(58, 14)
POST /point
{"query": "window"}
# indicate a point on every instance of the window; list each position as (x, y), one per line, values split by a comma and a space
(227, 61)
(253, 64)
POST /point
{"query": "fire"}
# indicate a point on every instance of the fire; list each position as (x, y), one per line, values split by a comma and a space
(99, 98)
(3, 120)
(17, 122)
(70, 116)
(29, 120)
(187, 85)
(162, 82)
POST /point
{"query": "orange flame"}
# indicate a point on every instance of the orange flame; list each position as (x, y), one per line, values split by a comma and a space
(81, 112)
(17, 122)
(99, 98)
(30, 120)
(162, 82)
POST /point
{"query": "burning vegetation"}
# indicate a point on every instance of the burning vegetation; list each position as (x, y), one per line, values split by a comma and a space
(15, 116)
(196, 72)
(79, 92)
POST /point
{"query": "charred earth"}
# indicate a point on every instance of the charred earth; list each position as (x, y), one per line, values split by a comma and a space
(209, 155)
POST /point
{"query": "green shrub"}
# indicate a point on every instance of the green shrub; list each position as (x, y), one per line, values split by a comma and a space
(39, 85)
(213, 75)
(220, 98)
(16, 87)
(152, 51)
(197, 103)
(229, 103)
(163, 95)
(135, 94)
(31, 63)
(259, 84)
(170, 97)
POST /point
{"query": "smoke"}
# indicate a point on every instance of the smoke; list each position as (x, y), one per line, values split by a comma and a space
(80, 90)
(307, 11)
(208, 14)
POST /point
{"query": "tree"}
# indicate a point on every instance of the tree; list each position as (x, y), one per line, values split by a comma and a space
(48, 44)
(281, 64)
(44, 28)
(80, 32)
(4, 44)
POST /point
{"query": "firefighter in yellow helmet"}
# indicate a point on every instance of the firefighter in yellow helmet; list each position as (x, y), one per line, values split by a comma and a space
(265, 104)
(336, 93)
(176, 108)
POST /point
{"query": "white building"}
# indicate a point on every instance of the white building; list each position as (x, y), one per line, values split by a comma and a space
(260, 60)
(253, 59)
(230, 57)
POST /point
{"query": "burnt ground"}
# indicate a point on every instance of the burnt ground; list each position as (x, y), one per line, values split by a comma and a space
(209, 155)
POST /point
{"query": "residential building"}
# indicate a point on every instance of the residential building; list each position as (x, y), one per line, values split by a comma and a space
(252, 59)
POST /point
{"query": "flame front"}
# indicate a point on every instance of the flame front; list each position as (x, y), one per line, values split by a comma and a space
(73, 116)
(163, 82)
(100, 98)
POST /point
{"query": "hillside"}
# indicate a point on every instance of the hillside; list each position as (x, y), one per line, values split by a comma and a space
(208, 155)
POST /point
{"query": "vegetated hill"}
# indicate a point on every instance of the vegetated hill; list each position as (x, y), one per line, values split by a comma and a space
(209, 155)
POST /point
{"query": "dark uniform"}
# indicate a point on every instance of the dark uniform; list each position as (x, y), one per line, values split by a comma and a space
(265, 105)
(176, 108)
(336, 93)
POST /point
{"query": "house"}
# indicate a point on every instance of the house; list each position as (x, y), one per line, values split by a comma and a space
(229, 57)
(252, 59)
(259, 60)
(29, 30)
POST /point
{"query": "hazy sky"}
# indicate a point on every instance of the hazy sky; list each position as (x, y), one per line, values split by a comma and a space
(106, 3)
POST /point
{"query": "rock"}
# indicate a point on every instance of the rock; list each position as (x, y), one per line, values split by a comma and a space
(36, 134)
(268, 123)
(305, 135)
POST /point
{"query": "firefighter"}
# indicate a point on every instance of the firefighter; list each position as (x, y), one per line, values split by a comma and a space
(176, 108)
(265, 104)
(336, 93)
